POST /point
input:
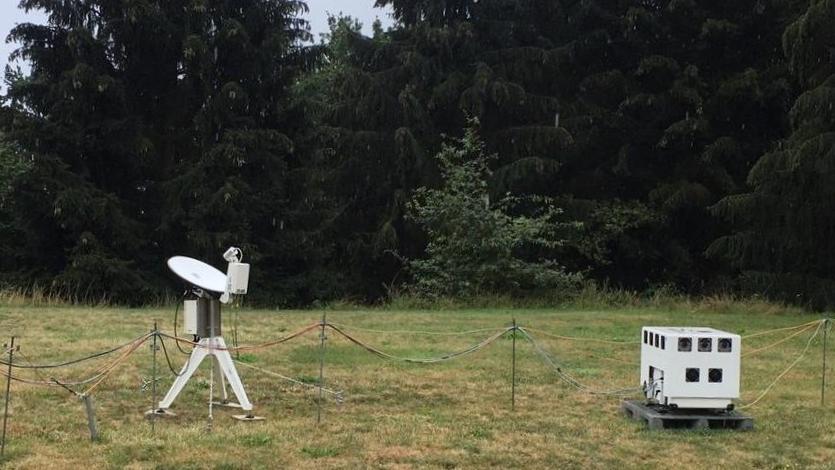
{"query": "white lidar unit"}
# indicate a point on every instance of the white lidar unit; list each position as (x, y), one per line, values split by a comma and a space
(690, 367)
(201, 317)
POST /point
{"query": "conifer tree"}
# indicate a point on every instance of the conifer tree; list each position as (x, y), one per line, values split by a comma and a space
(784, 243)
(617, 110)
(157, 127)
(234, 185)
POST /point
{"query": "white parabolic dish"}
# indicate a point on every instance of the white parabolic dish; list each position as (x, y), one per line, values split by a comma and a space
(198, 273)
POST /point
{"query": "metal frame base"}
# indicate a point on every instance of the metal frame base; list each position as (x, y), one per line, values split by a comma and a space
(659, 417)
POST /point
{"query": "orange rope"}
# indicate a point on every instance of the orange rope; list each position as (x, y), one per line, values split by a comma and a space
(249, 348)
(117, 362)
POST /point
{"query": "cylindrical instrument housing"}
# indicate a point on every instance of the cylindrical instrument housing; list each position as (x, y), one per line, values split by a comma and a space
(208, 318)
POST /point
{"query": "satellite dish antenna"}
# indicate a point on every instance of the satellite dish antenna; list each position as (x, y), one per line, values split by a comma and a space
(197, 273)
(209, 287)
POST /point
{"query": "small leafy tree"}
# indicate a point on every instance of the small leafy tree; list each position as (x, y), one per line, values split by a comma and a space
(477, 246)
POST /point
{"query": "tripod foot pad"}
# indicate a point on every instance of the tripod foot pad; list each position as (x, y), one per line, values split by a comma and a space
(249, 417)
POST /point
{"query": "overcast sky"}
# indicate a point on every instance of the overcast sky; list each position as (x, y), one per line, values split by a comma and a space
(363, 10)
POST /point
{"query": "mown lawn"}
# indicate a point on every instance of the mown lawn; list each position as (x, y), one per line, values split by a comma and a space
(398, 415)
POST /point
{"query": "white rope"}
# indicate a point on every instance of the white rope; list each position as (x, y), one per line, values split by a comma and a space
(767, 332)
(337, 394)
(571, 380)
(432, 360)
(578, 338)
(413, 332)
(780, 341)
(786, 371)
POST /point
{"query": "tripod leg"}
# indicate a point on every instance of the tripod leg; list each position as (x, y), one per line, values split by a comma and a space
(197, 356)
(222, 379)
(228, 368)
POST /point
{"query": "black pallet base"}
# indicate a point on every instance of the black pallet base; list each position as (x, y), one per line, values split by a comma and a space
(659, 417)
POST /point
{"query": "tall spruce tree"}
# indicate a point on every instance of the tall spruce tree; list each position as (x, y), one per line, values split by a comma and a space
(14, 167)
(157, 127)
(234, 185)
(672, 118)
(784, 245)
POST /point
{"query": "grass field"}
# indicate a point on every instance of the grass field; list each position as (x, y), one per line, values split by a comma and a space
(398, 415)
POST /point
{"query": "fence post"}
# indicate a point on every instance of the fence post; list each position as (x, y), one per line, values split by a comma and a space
(321, 368)
(826, 322)
(8, 391)
(154, 379)
(91, 417)
(513, 369)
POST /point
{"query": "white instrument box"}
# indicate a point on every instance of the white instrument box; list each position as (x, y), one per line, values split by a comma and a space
(690, 367)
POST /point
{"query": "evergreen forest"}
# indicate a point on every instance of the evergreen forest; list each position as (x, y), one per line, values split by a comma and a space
(476, 147)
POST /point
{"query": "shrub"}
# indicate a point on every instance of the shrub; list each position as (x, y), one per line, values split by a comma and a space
(477, 246)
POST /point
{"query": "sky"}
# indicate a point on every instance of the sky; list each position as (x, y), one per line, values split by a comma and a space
(363, 10)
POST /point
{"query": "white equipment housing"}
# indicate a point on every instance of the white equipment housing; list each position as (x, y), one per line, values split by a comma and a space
(201, 317)
(190, 317)
(690, 367)
(237, 275)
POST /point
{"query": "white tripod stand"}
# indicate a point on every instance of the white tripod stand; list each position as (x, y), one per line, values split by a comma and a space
(215, 347)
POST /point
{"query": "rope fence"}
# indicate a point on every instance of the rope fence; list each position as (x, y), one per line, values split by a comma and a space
(445, 357)
(783, 340)
(100, 373)
(548, 358)
(821, 324)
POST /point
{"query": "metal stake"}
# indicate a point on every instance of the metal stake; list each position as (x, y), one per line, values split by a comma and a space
(154, 380)
(211, 371)
(513, 370)
(321, 368)
(8, 391)
(823, 368)
(235, 335)
(91, 417)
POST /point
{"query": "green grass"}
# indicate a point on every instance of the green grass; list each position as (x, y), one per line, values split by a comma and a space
(396, 415)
